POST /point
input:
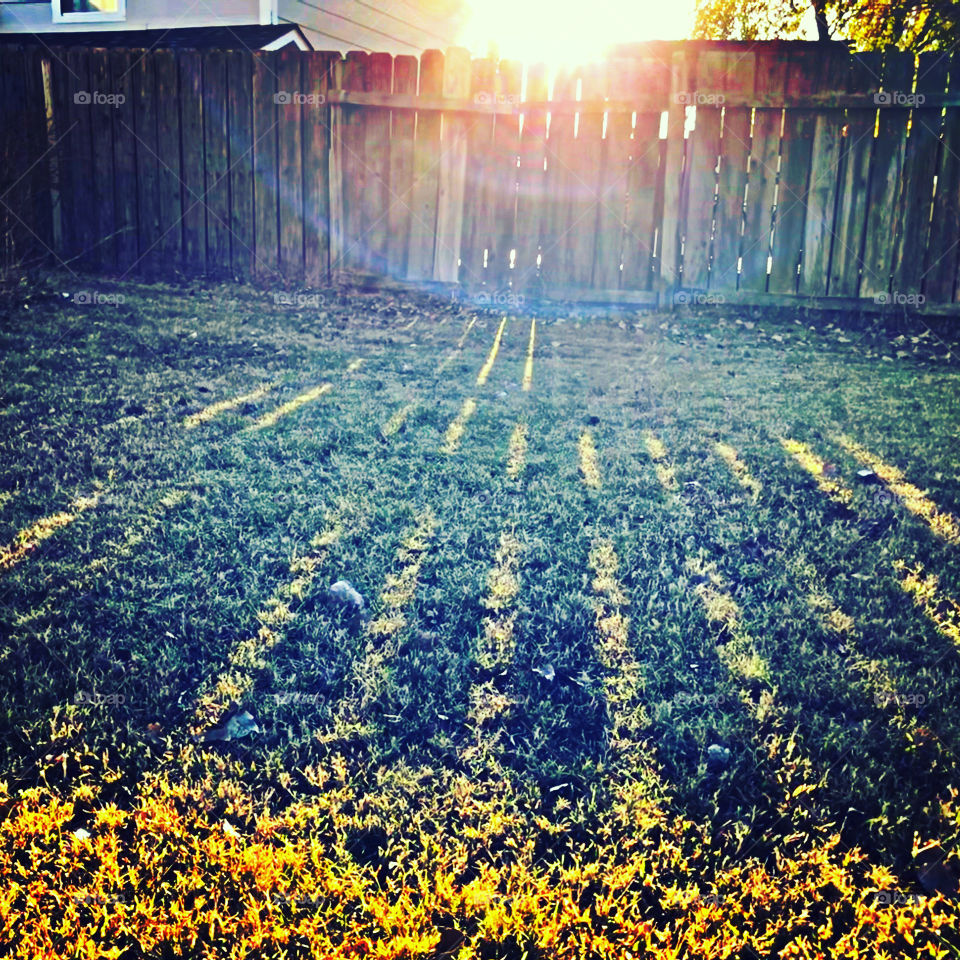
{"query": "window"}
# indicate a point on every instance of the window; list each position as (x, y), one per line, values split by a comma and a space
(88, 11)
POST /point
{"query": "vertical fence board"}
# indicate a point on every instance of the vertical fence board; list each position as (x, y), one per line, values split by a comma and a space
(216, 154)
(796, 147)
(125, 161)
(14, 176)
(265, 164)
(681, 82)
(824, 181)
(739, 79)
(645, 179)
(402, 125)
(587, 157)
(506, 150)
(192, 164)
(864, 76)
(480, 188)
(701, 178)
(355, 171)
(376, 198)
(560, 183)
(423, 217)
(531, 181)
(143, 78)
(290, 163)
(101, 115)
(316, 171)
(63, 125)
(453, 163)
(940, 274)
(886, 169)
(169, 198)
(762, 179)
(919, 170)
(36, 136)
(240, 171)
(614, 169)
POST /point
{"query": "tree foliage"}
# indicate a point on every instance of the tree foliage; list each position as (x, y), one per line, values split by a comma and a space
(868, 24)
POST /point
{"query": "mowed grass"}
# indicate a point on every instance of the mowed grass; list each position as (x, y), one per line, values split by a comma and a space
(591, 549)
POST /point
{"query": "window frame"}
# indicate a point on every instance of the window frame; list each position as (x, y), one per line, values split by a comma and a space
(89, 16)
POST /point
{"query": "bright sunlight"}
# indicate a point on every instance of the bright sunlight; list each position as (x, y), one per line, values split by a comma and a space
(568, 33)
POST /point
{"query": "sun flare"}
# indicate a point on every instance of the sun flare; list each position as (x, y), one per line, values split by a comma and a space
(566, 33)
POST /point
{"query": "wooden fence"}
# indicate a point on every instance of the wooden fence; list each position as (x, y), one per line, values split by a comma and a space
(767, 172)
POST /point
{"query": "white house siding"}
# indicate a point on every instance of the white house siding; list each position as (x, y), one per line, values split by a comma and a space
(141, 15)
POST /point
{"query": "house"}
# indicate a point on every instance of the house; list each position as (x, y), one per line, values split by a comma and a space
(398, 26)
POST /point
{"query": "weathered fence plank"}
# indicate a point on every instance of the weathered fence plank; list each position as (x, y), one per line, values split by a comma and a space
(852, 202)
(762, 178)
(646, 178)
(376, 152)
(796, 150)
(145, 104)
(402, 127)
(290, 111)
(560, 183)
(265, 164)
(426, 149)
(216, 154)
(531, 182)
(316, 169)
(479, 188)
(886, 168)
(101, 115)
(739, 74)
(824, 180)
(192, 169)
(169, 198)
(940, 272)
(240, 127)
(919, 170)
(453, 162)
(506, 150)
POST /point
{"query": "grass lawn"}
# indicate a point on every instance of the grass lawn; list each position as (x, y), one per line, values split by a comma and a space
(644, 666)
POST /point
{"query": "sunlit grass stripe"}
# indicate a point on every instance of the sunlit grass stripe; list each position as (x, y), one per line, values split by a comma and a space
(517, 451)
(942, 611)
(944, 525)
(834, 489)
(451, 439)
(463, 339)
(397, 420)
(398, 591)
(589, 468)
(222, 406)
(271, 417)
(354, 365)
(247, 656)
(661, 465)
(528, 368)
(28, 539)
(488, 363)
(738, 468)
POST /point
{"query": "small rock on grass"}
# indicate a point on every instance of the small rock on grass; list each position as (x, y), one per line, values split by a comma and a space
(240, 725)
(717, 756)
(345, 592)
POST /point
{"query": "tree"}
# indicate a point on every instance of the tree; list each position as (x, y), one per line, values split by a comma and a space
(868, 24)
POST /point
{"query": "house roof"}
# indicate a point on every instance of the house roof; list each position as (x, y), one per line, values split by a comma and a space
(242, 37)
